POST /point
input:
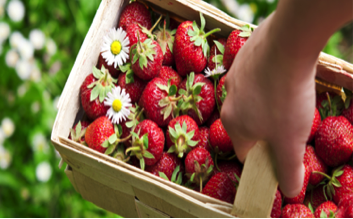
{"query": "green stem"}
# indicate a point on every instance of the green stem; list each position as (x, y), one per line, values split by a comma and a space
(139, 42)
(124, 139)
(211, 32)
(164, 27)
(132, 149)
(200, 184)
(159, 19)
(323, 174)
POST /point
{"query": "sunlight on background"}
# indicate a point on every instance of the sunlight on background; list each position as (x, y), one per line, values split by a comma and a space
(39, 41)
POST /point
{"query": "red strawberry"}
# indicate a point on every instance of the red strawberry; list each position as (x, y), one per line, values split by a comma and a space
(167, 73)
(165, 165)
(315, 125)
(316, 165)
(133, 85)
(77, 133)
(230, 167)
(199, 166)
(221, 187)
(204, 138)
(344, 176)
(135, 12)
(159, 101)
(114, 72)
(147, 144)
(147, 58)
(216, 53)
(316, 196)
(299, 199)
(214, 116)
(98, 132)
(221, 91)
(334, 140)
(345, 207)
(235, 41)
(190, 47)
(296, 211)
(182, 135)
(277, 204)
(219, 137)
(198, 97)
(326, 209)
(348, 109)
(165, 38)
(93, 91)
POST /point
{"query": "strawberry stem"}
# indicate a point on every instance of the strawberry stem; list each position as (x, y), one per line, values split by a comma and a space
(160, 17)
(139, 42)
(329, 103)
(132, 149)
(323, 174)
(211, 32)
(164, 27)
(200, 184)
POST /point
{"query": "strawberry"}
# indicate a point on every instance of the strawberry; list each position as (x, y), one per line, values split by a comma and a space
(296, 211)
(135, 12)
(348, 110)
(204, 138)
(216, 53)
(147, 144)
(299, 199)
(98, 132)
(199, 166)
(325, 210)
(133, 85)
(219, 137)
(167, 73)
(236, 40)
(198, 97)
(231, 168)
(316, 196)
(191, 47)
(130, 123)
(221, 91)
(93, 92)
(165, 38)
(214, 116)
(165, 166)
(221, 187)
(316, 165)
(277, 204)
(345, 207)
(182, 135)
(159, 101)
(114, 72)
(334, 140)
(315, 125)
(147, 58)
(77, 133)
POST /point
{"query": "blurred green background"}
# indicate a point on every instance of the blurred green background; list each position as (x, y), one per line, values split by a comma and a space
(39, 41)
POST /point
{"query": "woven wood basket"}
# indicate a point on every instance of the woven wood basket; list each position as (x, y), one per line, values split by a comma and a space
(128, 191)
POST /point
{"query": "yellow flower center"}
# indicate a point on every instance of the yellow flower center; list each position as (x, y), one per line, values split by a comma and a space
(115, 47)
(117, 105)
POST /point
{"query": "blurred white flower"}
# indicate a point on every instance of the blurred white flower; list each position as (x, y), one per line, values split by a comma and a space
(26, 49)
(245, 13)
(16, 10)
(231, 6)
(15, 39)
(4, 31)
(23, 69)
(37, 38)
(270, 1)
(43, 171)
(2, 2)
(5, 158)
(35, 107)
(2, 136)
(50, 46)
(11, 58)
(7, 126)
(2, 10)
(22, 90)
(36, 75)
(40, 143)
(55, 67)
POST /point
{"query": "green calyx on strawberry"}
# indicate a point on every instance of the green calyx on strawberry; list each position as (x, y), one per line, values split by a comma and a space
(119, 153)
(181, 139)
(78, 134)
(218, 59)
(165, 37)
(331, 107)
(177, 176)
(129, 73)
(349, 97)
(139, 148)
(143, 51)
(148, 32)
(201, 174)
(170, 102)
(332, 182)
(103, 85)
(191, 95)
(135, 117)
(224, 94)
(246, 31)
(199, 37)
(112, 142)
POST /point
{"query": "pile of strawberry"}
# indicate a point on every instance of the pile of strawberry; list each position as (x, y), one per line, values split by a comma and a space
(174, 130)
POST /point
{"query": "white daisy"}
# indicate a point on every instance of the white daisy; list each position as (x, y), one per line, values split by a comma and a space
(15, 39)
(11, 58)
(50, 46)
(39, 143)
(37, 38)
(4, 31)
(5, 158)
(119, 102)
(8, 127)
(43, 171)
(115, 47)
(26, 49)
(23, 69)
(217, 71)
(16, 10)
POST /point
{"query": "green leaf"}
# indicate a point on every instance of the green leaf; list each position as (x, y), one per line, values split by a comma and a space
(178, 128)
(110, 149)
(190, 80)
(145, 140)
(105, 144)
(148, 155)
(130, 124)
(78, 129)
(135, 58)
(192, 177)
(135, 135)
(184, 127)
(210, 169)
(203, 22)
(182, 92)
(198, 41)
(142, 61)
(339, 173)
(196, 90)
(161, 174)
(94, 93)
(192, 143)
(172, 132)
(171, 150)
(244, 34)
(96, 72)
(92, 85)
(310, 207)
(180, 179)
(218, 59)
(164, 102)
(142, 164)
(167, 112)
(112, 138)
(101, 95)
(175, 172)
(170, 46)
(162, 87)
(205, 50)
(198, 99)
(129, 77)
(172, 90)
(219, 46)
(323, 214)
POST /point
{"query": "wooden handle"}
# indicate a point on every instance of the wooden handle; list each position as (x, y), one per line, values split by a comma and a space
(258, 184)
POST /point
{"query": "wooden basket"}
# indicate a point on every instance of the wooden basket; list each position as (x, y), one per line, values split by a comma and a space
(128, 191)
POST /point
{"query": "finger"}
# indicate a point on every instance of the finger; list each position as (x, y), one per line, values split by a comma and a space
(289, 167)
